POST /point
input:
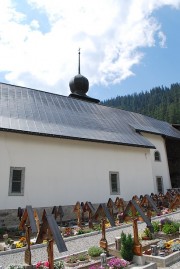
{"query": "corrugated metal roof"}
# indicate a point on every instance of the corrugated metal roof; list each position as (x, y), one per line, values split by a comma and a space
(42, 113)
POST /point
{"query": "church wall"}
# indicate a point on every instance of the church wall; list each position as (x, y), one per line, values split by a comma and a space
(159, 168)
(62, 172)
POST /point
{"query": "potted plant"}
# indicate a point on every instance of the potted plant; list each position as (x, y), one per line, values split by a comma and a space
(94, 252)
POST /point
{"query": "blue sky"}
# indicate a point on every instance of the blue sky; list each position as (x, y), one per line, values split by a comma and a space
(126, 46)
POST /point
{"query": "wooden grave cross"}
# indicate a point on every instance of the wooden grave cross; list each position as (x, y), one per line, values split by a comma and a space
(77, 210)
(175, 203)
(135, 198)
(120, 205)
(137, 248)
(103, 242)
(136, 208)
(57, 211)
(88, 207)
(103, 212)
(110, 205)
(149, 204)
(50, 231)
(29, 223)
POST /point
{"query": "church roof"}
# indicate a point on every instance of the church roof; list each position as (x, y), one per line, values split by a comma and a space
(36, 112)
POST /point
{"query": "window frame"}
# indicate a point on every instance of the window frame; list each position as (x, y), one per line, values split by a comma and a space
(162, 185)
(117, 183)
(21, 193)
(157, 156)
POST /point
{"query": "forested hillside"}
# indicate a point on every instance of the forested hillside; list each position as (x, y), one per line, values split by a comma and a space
(162, 103)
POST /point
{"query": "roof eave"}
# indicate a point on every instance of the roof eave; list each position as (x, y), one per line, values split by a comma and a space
(76, 138)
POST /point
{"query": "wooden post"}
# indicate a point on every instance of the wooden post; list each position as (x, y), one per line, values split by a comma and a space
(137, 248)
(50, 253)
(27, 257)
(103, 241)
(90, 220)
(79, 217)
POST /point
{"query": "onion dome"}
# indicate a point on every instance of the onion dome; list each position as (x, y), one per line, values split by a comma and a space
(79, 86)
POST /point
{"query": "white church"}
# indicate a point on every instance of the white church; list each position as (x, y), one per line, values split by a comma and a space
(57, 150)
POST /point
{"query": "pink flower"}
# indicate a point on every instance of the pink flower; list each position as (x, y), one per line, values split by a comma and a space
(46, 264)
(118, 263)
(38, 264)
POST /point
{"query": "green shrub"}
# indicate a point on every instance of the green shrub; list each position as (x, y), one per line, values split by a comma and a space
(126, 247)
(82, 257)
(176, 225)
(95, 251)
(169, 228)
(155, 225)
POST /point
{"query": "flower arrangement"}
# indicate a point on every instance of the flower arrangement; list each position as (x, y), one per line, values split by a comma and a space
(107, 225)
(45, 265)
(117, 263)
(42, 265)
(22, 239)
(19, 245)
(67, 231)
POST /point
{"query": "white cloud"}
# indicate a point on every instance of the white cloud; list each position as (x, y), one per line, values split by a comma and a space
(110, 33)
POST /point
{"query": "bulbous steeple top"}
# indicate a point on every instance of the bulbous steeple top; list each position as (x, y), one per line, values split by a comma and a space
(79, 86)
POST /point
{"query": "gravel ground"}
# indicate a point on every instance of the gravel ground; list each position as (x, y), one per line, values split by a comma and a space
(79, 243)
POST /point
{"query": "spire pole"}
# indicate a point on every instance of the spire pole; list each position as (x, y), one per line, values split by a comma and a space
(79, 62)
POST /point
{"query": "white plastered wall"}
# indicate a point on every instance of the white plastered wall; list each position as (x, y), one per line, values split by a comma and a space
(159, 168)
(62, 172)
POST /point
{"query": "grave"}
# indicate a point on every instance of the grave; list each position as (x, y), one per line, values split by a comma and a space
(50, 231)
(103, 212)
(30, 224)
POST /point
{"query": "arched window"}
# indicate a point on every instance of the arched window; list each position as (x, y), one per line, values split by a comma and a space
(157, 156)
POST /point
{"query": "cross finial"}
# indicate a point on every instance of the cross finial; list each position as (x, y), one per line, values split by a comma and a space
(79, 62)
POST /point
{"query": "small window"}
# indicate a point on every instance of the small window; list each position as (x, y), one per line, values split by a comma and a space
(157, 156)
(159, 182)
(114, 183)
(16, 181)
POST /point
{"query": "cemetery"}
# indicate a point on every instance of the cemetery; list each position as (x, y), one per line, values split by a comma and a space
(157, 243)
